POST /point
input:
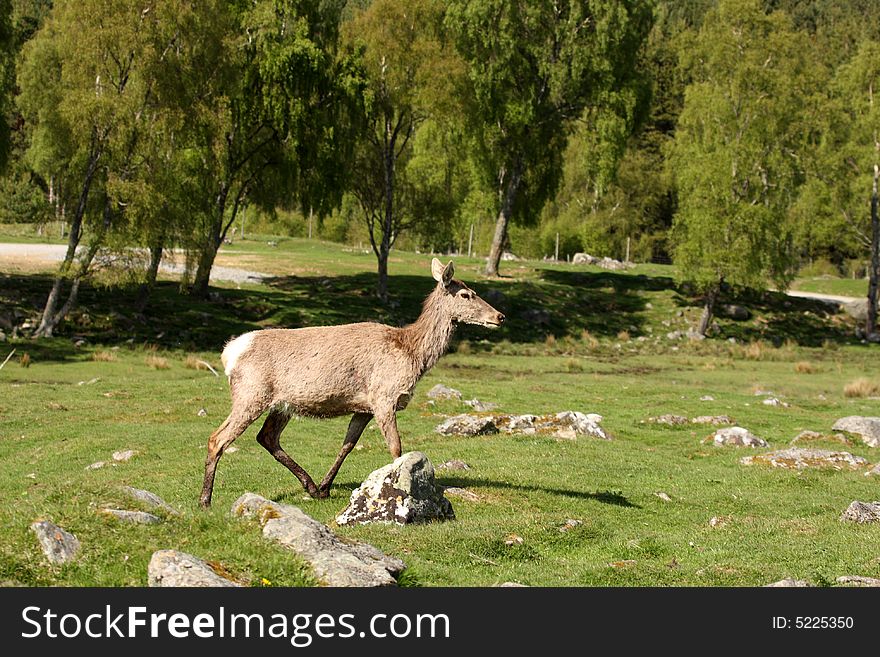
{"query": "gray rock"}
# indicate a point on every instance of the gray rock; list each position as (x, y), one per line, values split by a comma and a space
(798, 458)
(714, 420)
(873, 472)
(58, 545)
(857, 580)
(512, 585)
(862, 512)
(466, 425)
(674, 335)
(134, 517)
(868, 428)
(96, 465)
(173, 568)
(773, 401)
(335, 562)
(736, 312)
(453, 464)
(570, 524)
(736, 436)
(441, 391)
(123, 455)
(479, 406)
(669, 419)
(663, 496)
(605, 263)
(789, 582)
(150, 499)
(403, 492)
(462, 493)
(707, 398)
(813, 436)
(858, 310)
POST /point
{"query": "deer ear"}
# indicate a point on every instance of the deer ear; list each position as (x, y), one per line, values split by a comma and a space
(448, 273)
(437, 270)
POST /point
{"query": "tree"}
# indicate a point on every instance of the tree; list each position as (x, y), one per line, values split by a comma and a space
(408, 68)
(7, 78)
(736, 150)
(534, 68)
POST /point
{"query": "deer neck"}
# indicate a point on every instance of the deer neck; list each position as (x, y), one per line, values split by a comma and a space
(428, 337)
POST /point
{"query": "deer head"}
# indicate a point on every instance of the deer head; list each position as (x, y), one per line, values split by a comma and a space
(460, 302)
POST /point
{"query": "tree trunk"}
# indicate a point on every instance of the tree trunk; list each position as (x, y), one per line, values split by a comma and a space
(508, 197)
(708, 309)
(208, 253)
(152, 272)
(874, 272)
(388, 215)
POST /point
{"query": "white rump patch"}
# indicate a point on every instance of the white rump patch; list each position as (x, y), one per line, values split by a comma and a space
(234, 349)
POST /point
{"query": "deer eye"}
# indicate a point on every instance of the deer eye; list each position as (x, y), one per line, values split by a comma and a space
(466, 295)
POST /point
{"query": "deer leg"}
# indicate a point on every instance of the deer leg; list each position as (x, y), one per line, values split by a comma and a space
(388, 425)
(356, 427)
(232, 427)
(270, 438)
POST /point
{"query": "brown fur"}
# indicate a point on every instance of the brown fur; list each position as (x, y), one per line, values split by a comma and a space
(367, 369)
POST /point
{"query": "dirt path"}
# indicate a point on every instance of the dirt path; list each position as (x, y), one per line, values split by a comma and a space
(55, 253)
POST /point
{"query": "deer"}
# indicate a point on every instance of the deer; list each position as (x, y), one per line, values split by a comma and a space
(367, 369)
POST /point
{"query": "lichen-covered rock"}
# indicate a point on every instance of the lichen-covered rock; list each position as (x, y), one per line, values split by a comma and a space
(736, 436)
(134, 517)
(335, 562)
(873, 472)
(868, 428)
(453, 464)
(857, 580)
(441, 391)
(669, 419)
(816, 436)
(467, 425)
(789, 582)
(480, 406)
(173, 568)
(565, 424)
(862, 512)
(123, 455)
(798, 458)
(59, 545)
(714, 420)
(403, 492)
(150, 499)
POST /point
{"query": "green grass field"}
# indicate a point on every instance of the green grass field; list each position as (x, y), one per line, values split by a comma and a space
(578, 338)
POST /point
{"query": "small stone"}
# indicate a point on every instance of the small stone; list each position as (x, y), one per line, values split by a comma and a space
(467, 425)
(669, 419)
(867, 428)
(707, 398)
(441, 391)
(716, 521)
(135, 517)
(873, 472)
(663, 496)
(512, 585)
(570, 524)
(58, 545)
(96, 465)
(123, 455)
(773, 401)
(462, 493)
(231, 450)
(513, 539)
(862, 512)
(173, 568)
(714, 420)
(815, 436)
(798, 458)
(150, 499)
(202, 412)
(789, 582)
(453, 464)
(857, 580)
(404, 492)
(736, 436)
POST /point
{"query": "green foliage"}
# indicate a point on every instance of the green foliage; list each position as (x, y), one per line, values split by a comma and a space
(735, 155)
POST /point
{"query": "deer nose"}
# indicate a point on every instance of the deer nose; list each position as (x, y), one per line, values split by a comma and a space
(500, 317)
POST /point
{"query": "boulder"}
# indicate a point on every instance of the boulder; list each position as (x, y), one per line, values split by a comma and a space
(58, 545)
(735, 312)
(798, 458)
(134, 517)
(789, 582)
(714, 420)
(669, 419)
(857, 580)
(173, 568)
(736, 436)
(467, 425)
(150, 499)
(441, 391)
(858, 310)
(868, 428)
(403, 492)
(336, 562)
(862, 512)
